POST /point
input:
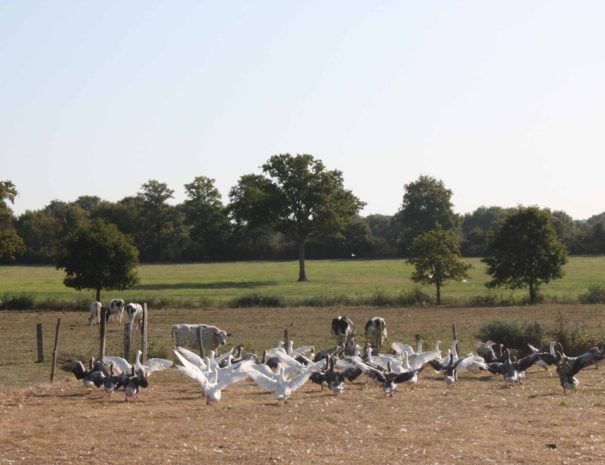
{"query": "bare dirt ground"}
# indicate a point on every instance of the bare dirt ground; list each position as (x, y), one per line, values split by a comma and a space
(478, 421)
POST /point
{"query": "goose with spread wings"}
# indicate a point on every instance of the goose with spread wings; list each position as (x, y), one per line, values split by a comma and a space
(279, 382)
(214, 380)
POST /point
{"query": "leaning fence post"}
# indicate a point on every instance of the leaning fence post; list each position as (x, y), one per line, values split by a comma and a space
(40, 342)
(102, 333)
(144, 330)
(54, 364)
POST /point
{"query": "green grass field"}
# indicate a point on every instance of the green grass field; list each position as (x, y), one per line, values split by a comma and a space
(336, 281)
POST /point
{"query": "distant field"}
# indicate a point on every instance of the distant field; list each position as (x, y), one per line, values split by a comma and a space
(355, 280)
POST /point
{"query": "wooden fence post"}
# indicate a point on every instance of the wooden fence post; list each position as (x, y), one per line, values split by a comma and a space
(52, 372)
(102, 333)
(286, 340)
(127, 338)
(199, 337)
(40, 342)
(144, 330)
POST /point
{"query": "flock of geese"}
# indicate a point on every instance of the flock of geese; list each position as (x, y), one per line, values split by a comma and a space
(284, 369)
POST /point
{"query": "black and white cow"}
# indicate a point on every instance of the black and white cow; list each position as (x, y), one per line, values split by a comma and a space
(343, 329)
(116, 310)
(376, 332)
(135, 314)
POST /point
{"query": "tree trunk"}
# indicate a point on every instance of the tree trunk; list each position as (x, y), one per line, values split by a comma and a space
(533, 294)
(99, 295)
(302, 276)
(438, 286)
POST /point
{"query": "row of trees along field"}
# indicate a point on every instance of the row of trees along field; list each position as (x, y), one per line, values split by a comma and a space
(294, 208)
(297, 199)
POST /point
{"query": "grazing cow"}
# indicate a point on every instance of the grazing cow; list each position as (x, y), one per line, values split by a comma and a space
(95, 313)
(343, 329)
(116, 310)
(135, 314)
(376, 332)
(212, 337)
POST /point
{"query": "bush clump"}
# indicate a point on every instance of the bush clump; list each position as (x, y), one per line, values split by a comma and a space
(257, 300)
(513, 334)
(12, 301)
(594, 295)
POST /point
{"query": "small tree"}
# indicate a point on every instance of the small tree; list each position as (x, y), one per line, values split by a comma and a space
(525, 252)
(436, 258)
(98, 256)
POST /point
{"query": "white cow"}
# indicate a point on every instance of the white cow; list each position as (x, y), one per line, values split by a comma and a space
(212, 337)
(135, 314)
(116, 310)
(95, 313)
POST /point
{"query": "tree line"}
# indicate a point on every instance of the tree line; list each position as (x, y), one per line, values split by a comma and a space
(294, 208)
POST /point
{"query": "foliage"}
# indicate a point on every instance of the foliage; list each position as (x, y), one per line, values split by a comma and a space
(594, 295)
(574, 339)
(513, 334)
(475, 228)
(426, 206)
(207, 219)
(525, 252)
(436, 258)
(298, 197)
(257, 300)
(11, 244)
(160, 229)
(20, 301)
(97, 256)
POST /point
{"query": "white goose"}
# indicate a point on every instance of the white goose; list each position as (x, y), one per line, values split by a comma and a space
(282, 385)
(152, 365)
(214, 380)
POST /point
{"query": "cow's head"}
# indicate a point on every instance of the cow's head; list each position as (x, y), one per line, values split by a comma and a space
(221, 336)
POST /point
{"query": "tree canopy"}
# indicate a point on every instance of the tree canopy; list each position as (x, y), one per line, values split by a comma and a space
(11, 244)
(525, 251)
(98, 256)
(298, 197)
(426, 206)
(436, 258)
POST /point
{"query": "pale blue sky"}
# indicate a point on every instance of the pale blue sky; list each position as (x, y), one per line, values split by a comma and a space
(503, 101)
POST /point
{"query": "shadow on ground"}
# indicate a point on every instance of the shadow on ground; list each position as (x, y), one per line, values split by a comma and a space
(211, 285)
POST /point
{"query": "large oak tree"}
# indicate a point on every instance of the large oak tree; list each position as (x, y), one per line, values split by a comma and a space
(298, 197)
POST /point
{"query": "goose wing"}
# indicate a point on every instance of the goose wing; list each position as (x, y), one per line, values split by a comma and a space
(193, 358)
(228, 377)
(584, 360)
(400, 348)
(370, 372)
(120, 364)
(299, 380)
(190, 370)
(261, 379)
(156, 364)
(417, 362)
(404, 377)
(469, 361)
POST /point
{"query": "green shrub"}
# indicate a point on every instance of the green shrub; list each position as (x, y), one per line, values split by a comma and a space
(575, 340)
(257, 300)
(513, 334)
(12, 301)
(595, 295)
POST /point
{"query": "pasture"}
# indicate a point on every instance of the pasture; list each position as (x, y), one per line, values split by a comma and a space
(477, 421)
(352, 282)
